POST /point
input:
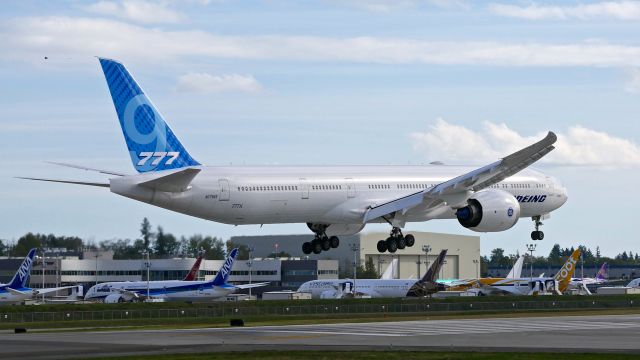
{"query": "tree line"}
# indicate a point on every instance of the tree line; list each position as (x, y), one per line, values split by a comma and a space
(558, 256)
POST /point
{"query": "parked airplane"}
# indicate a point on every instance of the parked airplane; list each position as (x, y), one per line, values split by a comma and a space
(465, 284)
(339, 288)
(601, 277)
(635, 283)
(331, 200)
(170, 290)
(17, 290)
(530, 286)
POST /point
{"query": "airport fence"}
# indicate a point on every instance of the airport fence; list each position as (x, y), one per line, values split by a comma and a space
(301, 310)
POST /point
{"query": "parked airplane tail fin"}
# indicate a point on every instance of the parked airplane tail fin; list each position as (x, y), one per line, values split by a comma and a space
(193, 273)
(566, 272)
(516, 271)
(223, 274)
(152, 145)
(603, 273)
(434, 270)
(21, 278)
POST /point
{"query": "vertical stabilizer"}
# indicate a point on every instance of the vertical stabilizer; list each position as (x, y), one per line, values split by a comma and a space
(223, 274)
(193, 273)
(566, 272)
(603, 273)
(21, 278)
(152, 145)
(434, 270)
(516, 271)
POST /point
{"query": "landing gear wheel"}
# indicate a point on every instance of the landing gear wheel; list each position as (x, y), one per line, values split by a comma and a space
(401, 242)
(335, 242)
(307, 248)
(382, 246)
(392, 245)
(326, 244)
(537, 235)
(410, 240)
(317, 246)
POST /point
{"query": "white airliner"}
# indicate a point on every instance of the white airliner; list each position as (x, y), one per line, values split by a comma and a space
(170, 290)
(17, 291)
(331, 200)
(377, 288)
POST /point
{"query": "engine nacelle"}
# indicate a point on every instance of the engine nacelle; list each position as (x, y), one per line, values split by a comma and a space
(114, 299)
(489, 210)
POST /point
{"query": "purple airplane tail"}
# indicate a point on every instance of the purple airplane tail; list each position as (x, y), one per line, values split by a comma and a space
(604, 270)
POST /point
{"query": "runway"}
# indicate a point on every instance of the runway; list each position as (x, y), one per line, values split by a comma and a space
(610, 333)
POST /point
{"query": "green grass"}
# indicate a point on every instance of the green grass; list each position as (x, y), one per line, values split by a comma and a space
(385, 355)
(172, 323)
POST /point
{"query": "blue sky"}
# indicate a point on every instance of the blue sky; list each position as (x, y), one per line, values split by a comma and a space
(324, 82)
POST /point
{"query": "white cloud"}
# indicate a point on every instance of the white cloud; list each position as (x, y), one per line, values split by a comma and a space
(385, 6)
(579, 146)
(621, 10)
(82, 37)
(140, 11)
(633, 84)
(203, 83)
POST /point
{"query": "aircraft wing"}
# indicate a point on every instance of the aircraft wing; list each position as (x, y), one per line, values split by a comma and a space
(50, 290)
(456, 191)
(251, 286)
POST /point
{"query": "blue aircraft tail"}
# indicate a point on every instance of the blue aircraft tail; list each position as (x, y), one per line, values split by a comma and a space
(21, 278)
(152, 145)
(223, 274)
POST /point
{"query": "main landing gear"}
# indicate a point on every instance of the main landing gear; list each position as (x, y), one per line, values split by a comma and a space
(322, 242)
(396, 241)
(537, 234)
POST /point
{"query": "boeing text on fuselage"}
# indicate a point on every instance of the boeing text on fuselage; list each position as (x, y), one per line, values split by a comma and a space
(331, 200)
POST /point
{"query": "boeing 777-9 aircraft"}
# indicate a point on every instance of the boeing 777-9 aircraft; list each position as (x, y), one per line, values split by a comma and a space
(331, 200)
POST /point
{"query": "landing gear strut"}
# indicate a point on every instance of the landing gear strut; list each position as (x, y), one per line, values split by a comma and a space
(322, 242)
(537, 234)
(396, 241)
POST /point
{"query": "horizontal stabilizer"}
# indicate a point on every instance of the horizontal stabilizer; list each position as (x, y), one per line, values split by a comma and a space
(253, 285)
(101, 171)
(176, 181)
(66, 181)
(17, 292)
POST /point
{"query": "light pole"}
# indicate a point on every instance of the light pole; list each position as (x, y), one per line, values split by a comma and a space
(354, 247)
(43, 265)
(426, 249)
(582, 266)
(531, 248)
(250, 264)
(418, 265)
(476, 261)
(147, 264)
(380, 262)
(97, 255)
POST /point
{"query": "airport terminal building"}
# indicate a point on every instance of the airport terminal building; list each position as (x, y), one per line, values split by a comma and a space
(462, 261)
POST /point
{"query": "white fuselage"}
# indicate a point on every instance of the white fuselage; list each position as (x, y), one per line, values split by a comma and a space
(325, 195)
(376, 288)
(170, 290)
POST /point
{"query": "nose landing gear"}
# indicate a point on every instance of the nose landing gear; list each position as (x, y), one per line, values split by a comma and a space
(537, 234)
(396, 241)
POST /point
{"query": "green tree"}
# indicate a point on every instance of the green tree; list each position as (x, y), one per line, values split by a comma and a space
(165, 245)
(26, 243)
(213, 247)
(145, 233)
(368, 271)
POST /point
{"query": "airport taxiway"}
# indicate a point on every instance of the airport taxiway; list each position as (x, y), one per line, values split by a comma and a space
(602, 333)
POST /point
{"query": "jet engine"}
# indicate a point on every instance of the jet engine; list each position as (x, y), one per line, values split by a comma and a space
(114, 299)
(489, 210)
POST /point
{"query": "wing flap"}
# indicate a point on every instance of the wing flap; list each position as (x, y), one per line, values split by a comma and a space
(251, 286)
